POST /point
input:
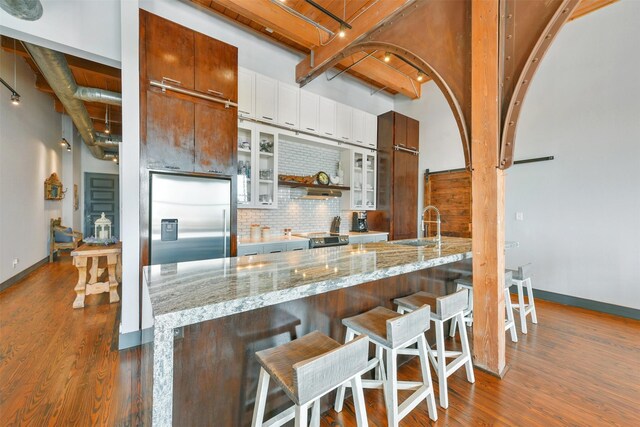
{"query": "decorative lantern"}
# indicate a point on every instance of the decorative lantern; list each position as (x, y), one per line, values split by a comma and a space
(103, 228)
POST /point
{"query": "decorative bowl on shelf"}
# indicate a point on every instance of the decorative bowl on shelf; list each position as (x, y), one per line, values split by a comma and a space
(100, 242)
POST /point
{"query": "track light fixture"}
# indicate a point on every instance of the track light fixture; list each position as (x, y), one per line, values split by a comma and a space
(107, 124)
(65, 143)
(387, 56)
(342, 31)
(15, 96)
(420, 76)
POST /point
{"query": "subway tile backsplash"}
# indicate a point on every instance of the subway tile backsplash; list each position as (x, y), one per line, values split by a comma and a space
(300, 215)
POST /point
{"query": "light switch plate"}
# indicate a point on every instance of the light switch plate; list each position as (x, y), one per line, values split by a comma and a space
(519, 216)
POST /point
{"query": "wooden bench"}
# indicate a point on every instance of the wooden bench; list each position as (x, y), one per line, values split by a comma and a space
(56, 227)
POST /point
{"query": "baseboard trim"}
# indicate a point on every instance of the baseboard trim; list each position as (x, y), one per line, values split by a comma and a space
(24, 273)
(135, 338)
(588, 304)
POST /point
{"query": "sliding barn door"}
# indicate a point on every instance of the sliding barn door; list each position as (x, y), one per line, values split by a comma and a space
(450, 192)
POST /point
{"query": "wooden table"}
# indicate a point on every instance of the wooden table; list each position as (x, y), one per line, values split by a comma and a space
(90, 286)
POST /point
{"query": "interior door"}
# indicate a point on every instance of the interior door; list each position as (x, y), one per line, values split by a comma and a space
(101, 194)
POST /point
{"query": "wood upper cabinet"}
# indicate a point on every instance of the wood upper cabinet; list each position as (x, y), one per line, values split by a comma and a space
(215, 136)
(412, 134)
(216, 68)
(169, 132)
(169, 52)
(266, 98)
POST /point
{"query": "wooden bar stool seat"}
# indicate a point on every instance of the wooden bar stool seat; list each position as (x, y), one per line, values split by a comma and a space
(446, 308)
(522, 279)
(391, 332)
(306, 369)
(509, 324)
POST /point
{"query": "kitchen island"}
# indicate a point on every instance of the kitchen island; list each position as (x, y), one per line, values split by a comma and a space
(229, 308)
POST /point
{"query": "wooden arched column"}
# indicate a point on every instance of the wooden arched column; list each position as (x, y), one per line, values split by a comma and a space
(482, 54)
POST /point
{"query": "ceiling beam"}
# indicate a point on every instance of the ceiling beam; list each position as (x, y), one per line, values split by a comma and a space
(270, 15)
(372, 17)
(588, 6)
(386, 76)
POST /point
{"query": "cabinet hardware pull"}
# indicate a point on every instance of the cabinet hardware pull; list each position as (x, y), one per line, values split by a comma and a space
(360, 142)
(172, 167)
(243, 112)
(344, 137)
(268, 118)
(171, 80)
(327, 133)
(401, 148)
(215, 92)
(287, 123)
(227, 103)
(214, 171)
(252, 254)
(311, 129)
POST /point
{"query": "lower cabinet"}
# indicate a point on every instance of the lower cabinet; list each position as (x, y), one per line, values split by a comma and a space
(271, 248)
(367, 238)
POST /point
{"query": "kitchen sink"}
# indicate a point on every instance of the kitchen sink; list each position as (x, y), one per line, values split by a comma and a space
(415, 242)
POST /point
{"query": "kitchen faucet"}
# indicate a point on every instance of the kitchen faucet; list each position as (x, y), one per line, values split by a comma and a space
(437, 221)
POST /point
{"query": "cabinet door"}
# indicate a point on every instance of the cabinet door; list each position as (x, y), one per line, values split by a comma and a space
(371, 130)
(246, 143)
(274, 248)
(297, 246)
(370, 166)
(266, 98)
(413, 134)
(400, 130)
(405, 195)
(327, 117)
(246, 92)
(248, 250)
(265, 170)
(288, 99)
(357, 180)
(344, 122)
(169, 51)
(309, 106)
(359, 135)
(215, 136)
(169, 134)
(216, 69)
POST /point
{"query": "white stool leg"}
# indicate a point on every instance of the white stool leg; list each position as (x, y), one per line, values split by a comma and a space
(532, 304)
(302, 415)
(426, 375)
(442, 362)
(522, 308)
(358, 402)
(454, 321)
(315, 414)
(261, 399)
(340, 394)
(510, 324)
(379, 374)
(391, 388)
(464, 341)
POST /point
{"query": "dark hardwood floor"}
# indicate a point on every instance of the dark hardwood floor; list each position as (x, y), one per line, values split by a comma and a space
(60, 366)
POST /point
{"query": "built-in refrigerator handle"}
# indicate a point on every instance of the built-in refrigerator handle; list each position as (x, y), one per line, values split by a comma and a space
(224, 233)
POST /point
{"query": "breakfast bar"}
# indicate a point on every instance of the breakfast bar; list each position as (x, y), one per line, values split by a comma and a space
(211, 316)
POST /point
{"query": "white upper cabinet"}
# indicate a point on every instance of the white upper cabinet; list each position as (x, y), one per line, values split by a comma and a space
(309, 105)
(266, 98)
(344, 122)
(288, 105)
(327, 117)
(358, 134)
(370, 130)
(246, 90)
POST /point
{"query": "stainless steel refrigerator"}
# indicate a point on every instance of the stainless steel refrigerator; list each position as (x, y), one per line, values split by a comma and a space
(190, 218)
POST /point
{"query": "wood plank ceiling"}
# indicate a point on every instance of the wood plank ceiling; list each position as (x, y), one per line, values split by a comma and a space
(281, 21)
(87, 73)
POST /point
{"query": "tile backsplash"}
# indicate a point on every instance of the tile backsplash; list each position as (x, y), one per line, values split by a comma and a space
(300, 215)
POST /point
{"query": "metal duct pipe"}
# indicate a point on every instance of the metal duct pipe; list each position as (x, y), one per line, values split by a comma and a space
(29, 10)
(108, 141)
(55, 70)
(92, 94)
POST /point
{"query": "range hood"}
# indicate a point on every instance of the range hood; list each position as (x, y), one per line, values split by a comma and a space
(315, 193)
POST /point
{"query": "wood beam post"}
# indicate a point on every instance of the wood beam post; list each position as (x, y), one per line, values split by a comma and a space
(487, 190)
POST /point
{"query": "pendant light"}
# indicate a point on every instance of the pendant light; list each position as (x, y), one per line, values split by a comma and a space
(63, 140)
(387, 56)
(107, 124)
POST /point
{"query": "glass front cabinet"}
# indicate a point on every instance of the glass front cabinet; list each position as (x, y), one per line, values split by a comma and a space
(257, 166)
(360, 174)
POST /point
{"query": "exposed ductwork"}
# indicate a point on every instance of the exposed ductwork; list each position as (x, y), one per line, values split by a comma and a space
(29, 10)
(55, 70)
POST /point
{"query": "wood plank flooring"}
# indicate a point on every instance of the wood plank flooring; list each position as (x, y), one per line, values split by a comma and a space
(60, 366)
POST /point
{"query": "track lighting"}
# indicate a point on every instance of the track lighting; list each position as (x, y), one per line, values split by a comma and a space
(15, 98)
(115, 159)
(107, 124)
(65, 143)
(387, 56)
(420, 76)
(342, 31)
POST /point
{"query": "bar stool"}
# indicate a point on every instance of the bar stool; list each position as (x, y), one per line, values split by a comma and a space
(307, 369)
(447, 307)
(509, 324)
(391, 332)
(522, 278)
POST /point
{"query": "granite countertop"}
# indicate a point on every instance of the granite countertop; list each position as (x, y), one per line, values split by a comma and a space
(271, 239)
(365, 233)
(192, 292)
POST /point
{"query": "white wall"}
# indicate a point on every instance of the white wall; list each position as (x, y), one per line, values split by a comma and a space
(85, 28)
(29, 153)
(581, 210)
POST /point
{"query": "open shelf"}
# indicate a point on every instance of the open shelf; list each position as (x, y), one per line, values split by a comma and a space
(300, 184)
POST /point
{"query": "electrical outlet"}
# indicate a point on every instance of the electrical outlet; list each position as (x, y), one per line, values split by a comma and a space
(16, 261)
(519, 216)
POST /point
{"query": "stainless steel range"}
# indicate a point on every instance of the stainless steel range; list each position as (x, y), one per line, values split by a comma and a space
(324, 239)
